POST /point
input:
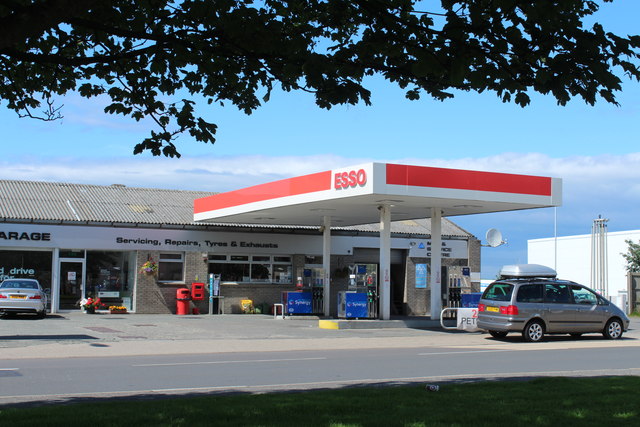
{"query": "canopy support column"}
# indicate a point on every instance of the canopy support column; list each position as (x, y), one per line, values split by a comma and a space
(326, 265)
(385, 262)
(55, 281)
(436, 263)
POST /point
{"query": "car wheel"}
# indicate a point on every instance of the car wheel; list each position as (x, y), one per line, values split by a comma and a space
(613, 329)
(41, 314)
(498, 334)
(534, 331)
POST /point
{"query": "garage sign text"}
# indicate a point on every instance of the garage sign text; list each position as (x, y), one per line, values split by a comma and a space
(14, 235)
(343, 180)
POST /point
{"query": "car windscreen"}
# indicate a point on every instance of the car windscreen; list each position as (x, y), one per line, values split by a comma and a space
(498, 291)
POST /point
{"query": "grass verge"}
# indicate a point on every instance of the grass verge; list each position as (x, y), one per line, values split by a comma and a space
(540, 402)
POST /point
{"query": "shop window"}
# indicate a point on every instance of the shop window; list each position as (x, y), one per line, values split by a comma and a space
(260, 268)
(171, 267)
(313, 260)
(251, 268)
(107, 272)
(282, 273)
(230, 272)
(27, 264)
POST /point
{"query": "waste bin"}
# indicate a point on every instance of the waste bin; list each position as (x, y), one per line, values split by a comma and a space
(183, 300)
(197, 291)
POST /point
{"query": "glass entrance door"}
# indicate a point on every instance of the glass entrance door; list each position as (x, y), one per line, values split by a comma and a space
(71, 284)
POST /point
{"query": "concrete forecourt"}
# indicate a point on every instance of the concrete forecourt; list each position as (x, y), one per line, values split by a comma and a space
(76, 334)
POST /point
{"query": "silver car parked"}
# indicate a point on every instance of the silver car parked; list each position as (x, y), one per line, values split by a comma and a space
(22, 296)
(528, 298)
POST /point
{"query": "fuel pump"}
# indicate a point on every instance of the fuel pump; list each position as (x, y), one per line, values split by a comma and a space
(308, 296)
(458, 282)
(367, 282)
(372, 295)
(313, 281)
(360, 300)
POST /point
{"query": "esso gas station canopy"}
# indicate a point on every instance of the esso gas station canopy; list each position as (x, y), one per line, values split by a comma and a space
(382, 192)
(351, 196)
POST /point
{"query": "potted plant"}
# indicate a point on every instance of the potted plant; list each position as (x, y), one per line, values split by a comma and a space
(117, 309)
(90, 304)
(149, 268)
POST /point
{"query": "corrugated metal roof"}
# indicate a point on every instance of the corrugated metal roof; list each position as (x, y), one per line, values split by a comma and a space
(49, 201)
(414, 227)
(52, 202)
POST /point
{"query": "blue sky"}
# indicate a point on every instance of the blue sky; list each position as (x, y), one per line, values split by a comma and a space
(595, 150)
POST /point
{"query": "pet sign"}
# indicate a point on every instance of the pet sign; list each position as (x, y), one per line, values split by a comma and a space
(468, 319)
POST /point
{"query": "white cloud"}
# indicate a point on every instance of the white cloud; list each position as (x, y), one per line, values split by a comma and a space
(195, 173)
(585, 175)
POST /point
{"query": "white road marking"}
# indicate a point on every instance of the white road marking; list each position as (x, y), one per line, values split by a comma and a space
(463, 352)
(222, 362)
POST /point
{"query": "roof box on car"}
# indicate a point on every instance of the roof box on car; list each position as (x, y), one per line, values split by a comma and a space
(519, 271)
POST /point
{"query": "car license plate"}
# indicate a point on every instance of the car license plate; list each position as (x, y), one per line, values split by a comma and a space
(494, 309)
(17, 297)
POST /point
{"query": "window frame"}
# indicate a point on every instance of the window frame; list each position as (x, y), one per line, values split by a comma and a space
(270, 263)
(174, 261)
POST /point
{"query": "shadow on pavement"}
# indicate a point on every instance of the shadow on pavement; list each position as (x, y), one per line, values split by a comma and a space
(48, 337)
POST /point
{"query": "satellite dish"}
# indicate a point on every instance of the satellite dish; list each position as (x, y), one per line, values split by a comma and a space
(494, 238)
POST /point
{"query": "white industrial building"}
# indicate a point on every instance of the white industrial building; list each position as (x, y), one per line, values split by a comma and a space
(571, 257)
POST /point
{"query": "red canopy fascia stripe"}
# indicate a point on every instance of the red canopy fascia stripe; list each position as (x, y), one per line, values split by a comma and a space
(422, 176)
(273, 190)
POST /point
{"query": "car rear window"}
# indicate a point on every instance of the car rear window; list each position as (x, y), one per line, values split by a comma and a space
(16, 284)
(498, 291)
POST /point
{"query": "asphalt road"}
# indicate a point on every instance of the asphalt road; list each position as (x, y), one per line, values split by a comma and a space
(88, 360)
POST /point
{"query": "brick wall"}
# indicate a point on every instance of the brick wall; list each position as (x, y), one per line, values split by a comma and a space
(154, 297)
(149, 297)
(418, 300)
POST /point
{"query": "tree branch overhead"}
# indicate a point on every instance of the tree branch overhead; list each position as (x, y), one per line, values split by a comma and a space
(142, 53)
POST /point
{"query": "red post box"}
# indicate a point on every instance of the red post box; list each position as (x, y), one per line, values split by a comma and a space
(197, 291)
(183, 300)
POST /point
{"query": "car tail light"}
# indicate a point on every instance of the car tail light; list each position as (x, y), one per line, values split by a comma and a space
(35, 297)
(3, 296)
(509, 310)
(481, 307)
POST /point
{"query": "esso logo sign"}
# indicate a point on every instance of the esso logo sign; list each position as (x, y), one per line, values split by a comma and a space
(343, 180)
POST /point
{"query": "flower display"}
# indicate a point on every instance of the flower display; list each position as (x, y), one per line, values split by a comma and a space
(149, 267)
(90, 304)
(117, 309)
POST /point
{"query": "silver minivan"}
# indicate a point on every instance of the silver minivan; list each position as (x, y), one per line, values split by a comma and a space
(528, 298)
